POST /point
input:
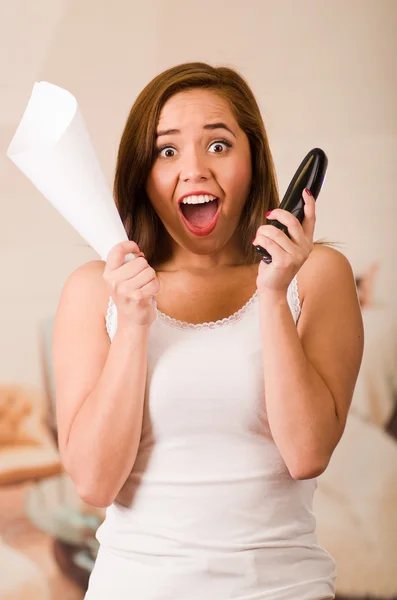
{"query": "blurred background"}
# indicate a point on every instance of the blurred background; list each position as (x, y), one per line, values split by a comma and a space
(324, 73)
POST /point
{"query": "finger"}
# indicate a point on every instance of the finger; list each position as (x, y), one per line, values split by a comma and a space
(294, 227)
(309, 221)
(143, 277)
(116, 255)
(145, 284)
(276, 252)
(152, 288)
(131, 269)
(278, 236)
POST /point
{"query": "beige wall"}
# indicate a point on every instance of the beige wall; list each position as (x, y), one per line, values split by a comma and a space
(324, 74)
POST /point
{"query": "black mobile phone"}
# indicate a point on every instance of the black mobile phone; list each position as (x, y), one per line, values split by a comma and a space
(310, 174)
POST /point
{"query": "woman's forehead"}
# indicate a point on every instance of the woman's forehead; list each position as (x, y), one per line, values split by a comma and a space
(194, 105)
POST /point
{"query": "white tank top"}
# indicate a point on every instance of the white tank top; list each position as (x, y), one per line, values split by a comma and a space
(210, 509)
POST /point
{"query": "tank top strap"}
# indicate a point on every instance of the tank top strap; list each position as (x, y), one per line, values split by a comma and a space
(293, 299)
(111, 319)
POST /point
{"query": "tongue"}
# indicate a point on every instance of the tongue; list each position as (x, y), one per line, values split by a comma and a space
(200, 215)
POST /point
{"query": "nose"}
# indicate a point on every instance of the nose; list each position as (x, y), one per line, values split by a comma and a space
(194, 167)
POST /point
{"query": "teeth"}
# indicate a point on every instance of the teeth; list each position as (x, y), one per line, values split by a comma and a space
(198, 199)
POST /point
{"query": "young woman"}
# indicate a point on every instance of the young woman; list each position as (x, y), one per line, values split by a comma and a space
(202, 422)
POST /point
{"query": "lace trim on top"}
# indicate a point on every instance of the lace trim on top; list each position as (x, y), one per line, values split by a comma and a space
(293, 293)
(111, 318)
(296, 303)
(209, 324)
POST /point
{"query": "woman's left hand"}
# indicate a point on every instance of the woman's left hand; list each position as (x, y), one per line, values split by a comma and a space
(288, 254)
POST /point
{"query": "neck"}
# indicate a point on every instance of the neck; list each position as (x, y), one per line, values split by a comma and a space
(223, 258)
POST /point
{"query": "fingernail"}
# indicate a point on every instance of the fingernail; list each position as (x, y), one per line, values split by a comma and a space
(269, 212)
(308, 192)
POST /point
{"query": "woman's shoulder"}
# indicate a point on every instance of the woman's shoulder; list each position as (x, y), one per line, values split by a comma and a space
(328, 259)
(87, 282)
(326, 268)
(91, 271)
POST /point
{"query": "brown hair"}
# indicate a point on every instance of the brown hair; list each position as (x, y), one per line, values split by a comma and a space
(137, 153)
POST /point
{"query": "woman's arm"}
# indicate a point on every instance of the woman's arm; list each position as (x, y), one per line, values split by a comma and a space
(99, 388)
(310, 370)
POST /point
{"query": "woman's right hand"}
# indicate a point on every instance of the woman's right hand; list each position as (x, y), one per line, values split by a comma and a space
(132, 285)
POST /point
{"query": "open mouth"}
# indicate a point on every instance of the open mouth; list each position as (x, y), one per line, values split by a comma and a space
(202, 217)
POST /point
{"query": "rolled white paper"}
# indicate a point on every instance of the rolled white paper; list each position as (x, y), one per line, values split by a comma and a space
(53, 149)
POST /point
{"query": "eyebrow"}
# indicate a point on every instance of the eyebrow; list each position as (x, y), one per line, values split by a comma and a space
(210, 126)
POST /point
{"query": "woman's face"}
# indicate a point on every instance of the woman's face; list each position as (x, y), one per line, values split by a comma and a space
(201, 175)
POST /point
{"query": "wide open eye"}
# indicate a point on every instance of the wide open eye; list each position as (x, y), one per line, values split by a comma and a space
(220, 144)
(166, 152)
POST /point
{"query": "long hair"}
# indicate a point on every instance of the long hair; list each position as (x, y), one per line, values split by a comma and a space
(136, 156)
